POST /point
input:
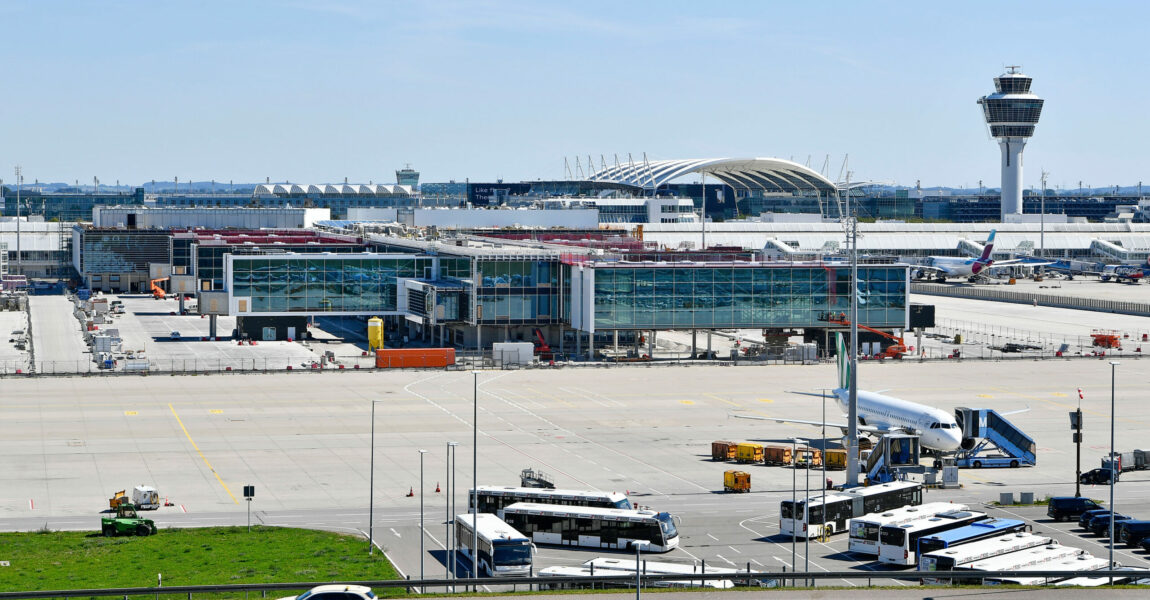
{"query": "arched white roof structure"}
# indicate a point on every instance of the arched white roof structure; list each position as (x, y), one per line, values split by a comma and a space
(768, 174)
(291, 189)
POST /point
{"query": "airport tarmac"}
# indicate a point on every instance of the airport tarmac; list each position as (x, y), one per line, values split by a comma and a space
(304, 441)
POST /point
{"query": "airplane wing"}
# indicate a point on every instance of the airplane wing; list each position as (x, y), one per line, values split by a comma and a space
(867, 428)
(1018, 262)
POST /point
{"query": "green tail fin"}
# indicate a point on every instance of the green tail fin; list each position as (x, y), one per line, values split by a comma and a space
(844, 362)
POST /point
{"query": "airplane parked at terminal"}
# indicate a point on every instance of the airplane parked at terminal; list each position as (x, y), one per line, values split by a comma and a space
(951, 266)
(879, 414)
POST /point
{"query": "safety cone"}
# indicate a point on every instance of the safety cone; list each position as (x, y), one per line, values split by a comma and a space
(436, 487)
(411, 493)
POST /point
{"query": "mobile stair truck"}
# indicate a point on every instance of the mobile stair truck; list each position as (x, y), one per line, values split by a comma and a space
(989, 440)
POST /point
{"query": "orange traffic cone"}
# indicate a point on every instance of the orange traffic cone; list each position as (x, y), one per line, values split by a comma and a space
(436, 487)
(411, 493)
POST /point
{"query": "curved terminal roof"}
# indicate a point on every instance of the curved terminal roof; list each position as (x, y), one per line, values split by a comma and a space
(292, 189)
(767, 174)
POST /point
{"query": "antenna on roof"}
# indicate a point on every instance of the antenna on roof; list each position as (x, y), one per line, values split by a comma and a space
(1013, 69)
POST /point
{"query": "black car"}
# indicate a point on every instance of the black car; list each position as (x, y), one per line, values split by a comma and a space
(1061, 508)
(1132, 532)
(1145, 543)
(1098, 477)
(1085, 517)
(1100, 525)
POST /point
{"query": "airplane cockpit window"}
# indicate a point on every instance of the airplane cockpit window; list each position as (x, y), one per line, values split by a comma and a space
(935, 425)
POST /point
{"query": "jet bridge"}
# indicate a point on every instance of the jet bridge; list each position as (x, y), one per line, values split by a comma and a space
(989, 440)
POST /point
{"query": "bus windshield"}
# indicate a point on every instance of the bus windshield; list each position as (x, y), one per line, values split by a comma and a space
(893, 536)
(512, 553)
(785, 509)
(624, 503)
(864, 531)
(667, 524)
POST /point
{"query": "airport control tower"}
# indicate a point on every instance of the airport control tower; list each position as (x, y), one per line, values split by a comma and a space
(1011, 113)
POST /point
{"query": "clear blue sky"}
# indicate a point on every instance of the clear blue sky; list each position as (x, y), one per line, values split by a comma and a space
(318, 91)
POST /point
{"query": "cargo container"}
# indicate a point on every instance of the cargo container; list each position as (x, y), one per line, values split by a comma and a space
(1125, 462)
(736, 481)
(401, 358)
(749, 453)
(808, 457)
(1140, 457)
(836, 459)
(723, 450)
(865, 444)
(777, 455)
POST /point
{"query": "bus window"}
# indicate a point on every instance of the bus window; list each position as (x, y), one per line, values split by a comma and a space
(667, 524)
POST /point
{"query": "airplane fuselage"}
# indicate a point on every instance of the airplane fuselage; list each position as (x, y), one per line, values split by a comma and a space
(938, 429)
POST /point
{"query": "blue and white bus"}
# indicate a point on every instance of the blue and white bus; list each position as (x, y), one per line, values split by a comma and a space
(951, 559)
(502, 551)
(979, 530)
(593, 527)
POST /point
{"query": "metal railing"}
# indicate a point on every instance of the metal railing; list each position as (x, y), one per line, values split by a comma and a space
(742, 578)
(1140, 309)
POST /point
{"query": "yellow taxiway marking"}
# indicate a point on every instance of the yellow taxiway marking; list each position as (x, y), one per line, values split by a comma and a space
(688, 402)
(721, 399)
(1058, 395)
(216, 411)
(967, 473)
(767, 400)
(131, 413)
(198, 451)
(985, 396)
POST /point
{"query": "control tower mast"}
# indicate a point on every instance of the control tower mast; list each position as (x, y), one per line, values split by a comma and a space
(1011, 113)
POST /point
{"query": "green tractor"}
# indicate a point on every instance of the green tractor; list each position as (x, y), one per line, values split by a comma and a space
(126, 522)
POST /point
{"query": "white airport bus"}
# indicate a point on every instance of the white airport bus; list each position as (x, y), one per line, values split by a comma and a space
(503, 551)
(1037, 557)
(585, 577)
(828, 515)
(593, 527)
(898, 544)
(1078, 564)
(493, 499)
(864, 530)
(949, 559)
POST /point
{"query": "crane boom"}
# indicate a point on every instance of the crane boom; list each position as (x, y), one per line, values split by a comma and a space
(895, 350)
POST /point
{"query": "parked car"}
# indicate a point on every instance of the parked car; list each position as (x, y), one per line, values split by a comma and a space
(175, 335)
(1145, 543)
(335, 592)
(1061, 508)
(1085, 517)
(1098, 476)
(1132, 532)
(1100, 524)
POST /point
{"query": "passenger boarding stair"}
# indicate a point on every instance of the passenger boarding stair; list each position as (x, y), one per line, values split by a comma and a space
(983, 429)
(894, 453)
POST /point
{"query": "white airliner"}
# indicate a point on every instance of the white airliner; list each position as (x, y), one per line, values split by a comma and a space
(879, 414)
(953, 266)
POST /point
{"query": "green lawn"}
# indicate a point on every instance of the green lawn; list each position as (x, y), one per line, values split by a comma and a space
(214, 555)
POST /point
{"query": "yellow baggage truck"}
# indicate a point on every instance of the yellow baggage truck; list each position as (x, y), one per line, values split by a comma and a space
(749, 453)
(736, 481)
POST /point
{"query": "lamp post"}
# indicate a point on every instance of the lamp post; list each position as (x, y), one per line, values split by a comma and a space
(794, 508)
(449, 558)
(639, 545)
(422, 531)
(371, 488)
(1113, 475)
(474, 494)
(807, 454)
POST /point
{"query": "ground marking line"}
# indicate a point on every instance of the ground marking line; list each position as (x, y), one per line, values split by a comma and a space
(200, 452)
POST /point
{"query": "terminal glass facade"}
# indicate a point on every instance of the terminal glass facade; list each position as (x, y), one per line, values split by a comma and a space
(743, 296)
(323, 284)
(513, 292)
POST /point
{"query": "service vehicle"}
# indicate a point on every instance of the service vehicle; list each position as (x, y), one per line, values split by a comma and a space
(502, 551)
(736, 481)
(749, 453)
(591, 527)
(1098, 477)
(126, 522)
(777, 454)
(1029, 559)
(335, 592)
(835, 459)
(723, 450)
(1061, 508)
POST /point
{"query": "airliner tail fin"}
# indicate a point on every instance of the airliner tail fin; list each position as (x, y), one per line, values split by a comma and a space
(986, 250)
(843, 360)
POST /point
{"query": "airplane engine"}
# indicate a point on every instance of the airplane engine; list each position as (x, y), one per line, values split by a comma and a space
(968, 443)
